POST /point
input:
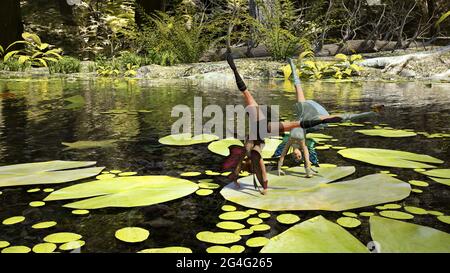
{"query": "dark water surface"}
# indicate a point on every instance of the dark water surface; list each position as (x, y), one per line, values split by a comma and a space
(35, 119)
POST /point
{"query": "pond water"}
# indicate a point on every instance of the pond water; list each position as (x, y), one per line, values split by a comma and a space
(35, 119)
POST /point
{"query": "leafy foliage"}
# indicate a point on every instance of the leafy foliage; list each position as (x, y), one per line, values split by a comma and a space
(65, 65)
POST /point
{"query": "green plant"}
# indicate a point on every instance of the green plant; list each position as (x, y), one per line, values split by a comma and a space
(107, 71)
(65, 65)
(347, 65)
(13, 65)
(130, 70)
(35, 52)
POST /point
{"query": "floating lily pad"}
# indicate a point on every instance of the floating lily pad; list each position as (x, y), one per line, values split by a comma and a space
(435, 213)
(16, 249)
(206, 180)
(186, 139)
(416, 210)
(13, 220)
(204, 192)
(367, 214)
(36, 204)
(127, 173)
(211, 173)
(251, 211)
(444, 181)
(115, 171)
(228, 208)
(396, 214)
(386, 133)
(230, 225)
(220, 238)
(264, 215)
(190, 174)
(295, 192)
(132, 191)
(350, 214)
(317, 235)
(132, 234)
(288, 218)
(221, 146)
(42, 225)
(224, 249)
(234, 215)
(50, 172)
(401, 237)
(90, 144)
(208, 185)
(260, 227)
(80, 212)
(44, 248)
(62, 237)
(348, 222)
(4, 244)
(444, 219)
(254, 221)
(244, 232)
(170, 249)
(72, 245)
(389, 158)
(417, 191)
(442, 173)
(33, 190)
(48, 190)
(257, 242)
(105, 176)
(319, 148)
(388, 206)
(418, 183)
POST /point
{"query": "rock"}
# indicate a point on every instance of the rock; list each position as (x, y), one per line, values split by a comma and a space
(38, 71)
(408, 73)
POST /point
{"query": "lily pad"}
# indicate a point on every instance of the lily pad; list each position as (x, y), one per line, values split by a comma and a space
(80, 212)
(264, 215)
(388, 206)
(230, 225)
(435, 213)
(417, 191)
(186, 139)
(244, 232)
(234, 215)
(418, 183)
(396, 214)
(367, 214)
(72, 245)
(416, 210)
(132, 234)
(132, 191)
(389, 158)
(190, 174)
(444, 219)
(127, 173)
(251, 211)
(4, 244)
(295, 192)
(41, 225)
(48, 190)
(402, 237)
(220, 238)
(90, 144)
(44, 248)
(444, 181)
(16, 249)
(208, 185)
(257, 242)
(442, 173)
(13, 220)
(288, 218)
(62, 237)
(50, 172)
(228, 208)
(348, 222)
(386, 133)
(260, 227)
(316, 235)
(105, 176)
(170, 249)
(36, 204)
(221, 146)
(224, 249)
(254, 221)
(204, 192)
(33, 190)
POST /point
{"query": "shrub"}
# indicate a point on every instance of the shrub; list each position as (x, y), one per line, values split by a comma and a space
(65, 65)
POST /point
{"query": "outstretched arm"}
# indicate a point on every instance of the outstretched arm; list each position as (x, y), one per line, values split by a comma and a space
(297, 83)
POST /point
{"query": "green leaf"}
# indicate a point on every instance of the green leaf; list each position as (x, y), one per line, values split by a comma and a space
(89, 144)
(43, 46)
(356, 67)
(35, 38)
(356, 57)
(287, 71)
(442, 18)
(23, 59)
(296, 192)
(221, 146)
(442, 173)
(386, 133)
(131, 191)
(341, 57)
(401, 237)
(389, 158)
(10, 54)
(317, 235)
(50, 172)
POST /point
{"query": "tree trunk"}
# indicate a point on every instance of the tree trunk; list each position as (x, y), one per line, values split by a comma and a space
(148, 7)
(10, 22)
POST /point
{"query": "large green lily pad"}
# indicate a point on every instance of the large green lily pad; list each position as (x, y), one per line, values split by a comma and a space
(295, 192)
(89, 144)
(132, 191)
(390, 158)
(386, 133)
(441, 173)
(316, 235)
(49, 172)
(445, 181)
(187, 139)
(221, 146)
(401, 237)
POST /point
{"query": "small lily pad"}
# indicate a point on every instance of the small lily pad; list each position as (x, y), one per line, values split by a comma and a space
(254, 221)
(115, 171)
(62, 237)
(204, 192)
(260, 227)
(190, 174)
(4, 244)
(244, 232)
(228, 208)
(416, 210)
(48, 190)
(170, 249)
(206, 180)
(42, 225)
(386, 133)
(367, 214)
(208, 185)
(264, 215)
(418, 183)
(44, 248)
(16, 249)
(13, 220)
(131, 234)
(348, 222)
(72, 245)
(388, 206)
(251, 211)
(218, 237)
(396, 214)
(36, 204)
(230, 225)
(350, 214)
(127, 173)
(288, 218)
(435, 213)
(224, 249)
(186, 139)
(80, 211)
(105, 176)
(417, 191)
(444, 219)
(234, 215)
(257, 242)
(33, 190)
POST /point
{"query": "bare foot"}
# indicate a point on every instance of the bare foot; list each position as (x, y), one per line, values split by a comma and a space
(234, 178)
